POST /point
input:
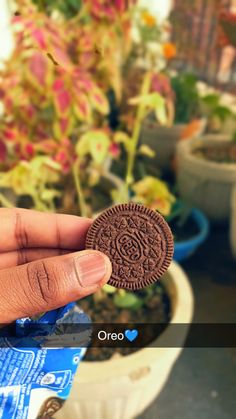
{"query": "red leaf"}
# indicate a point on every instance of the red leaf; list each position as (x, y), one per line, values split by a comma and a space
(10, 134)
(3, 151)
(29, 149)
(114, 149)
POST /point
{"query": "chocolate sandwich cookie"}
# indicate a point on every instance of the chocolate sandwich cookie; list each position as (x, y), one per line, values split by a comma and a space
(137, 240)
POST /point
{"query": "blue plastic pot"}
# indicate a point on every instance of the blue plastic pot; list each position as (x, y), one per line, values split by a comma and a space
(184, 249)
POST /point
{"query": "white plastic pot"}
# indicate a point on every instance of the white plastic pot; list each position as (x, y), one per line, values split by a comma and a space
(122, 388)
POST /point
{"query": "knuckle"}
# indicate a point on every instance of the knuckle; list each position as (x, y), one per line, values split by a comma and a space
(21, 234)
(42, 281)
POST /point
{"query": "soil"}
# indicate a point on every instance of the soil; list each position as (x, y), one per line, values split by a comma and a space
(222, 153)
(155, 309)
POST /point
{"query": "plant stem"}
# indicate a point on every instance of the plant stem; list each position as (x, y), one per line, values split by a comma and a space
(136, 131)
(5, 202)
(80, 195)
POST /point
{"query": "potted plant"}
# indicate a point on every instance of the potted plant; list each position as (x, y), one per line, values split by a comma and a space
(233, 222)
(56, 147)
(186, 121)
(127, 384)
(207, 176)
(219, 113)
(126, 372)
(206, 166)
(52, 96)
(189, 226)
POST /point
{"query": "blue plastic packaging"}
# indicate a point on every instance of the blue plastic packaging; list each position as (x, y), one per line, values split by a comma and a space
(35, 380)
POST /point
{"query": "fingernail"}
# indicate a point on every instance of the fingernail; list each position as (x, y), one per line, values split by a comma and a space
(91, 269)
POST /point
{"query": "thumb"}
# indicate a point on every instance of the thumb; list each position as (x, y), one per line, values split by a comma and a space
(46, 284)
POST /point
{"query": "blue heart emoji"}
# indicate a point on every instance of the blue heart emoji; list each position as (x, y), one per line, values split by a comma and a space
(131, 334)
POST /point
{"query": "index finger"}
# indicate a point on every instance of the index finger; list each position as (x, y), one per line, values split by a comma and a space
(21, 228)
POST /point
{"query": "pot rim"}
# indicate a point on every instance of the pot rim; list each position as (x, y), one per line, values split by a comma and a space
(186, 148)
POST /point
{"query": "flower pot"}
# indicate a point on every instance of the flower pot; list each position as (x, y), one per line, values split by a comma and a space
(184, 249)
(162, 140)
(205, 184)
(122, 388)
(233, 222)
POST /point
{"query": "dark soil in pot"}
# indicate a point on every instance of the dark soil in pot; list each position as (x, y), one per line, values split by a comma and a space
(222, 153)
(155, 308)
(183, 231)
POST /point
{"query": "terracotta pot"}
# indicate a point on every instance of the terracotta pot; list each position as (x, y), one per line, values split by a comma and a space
(122, 388)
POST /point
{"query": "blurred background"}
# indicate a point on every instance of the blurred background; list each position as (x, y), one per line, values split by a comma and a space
(105, 102)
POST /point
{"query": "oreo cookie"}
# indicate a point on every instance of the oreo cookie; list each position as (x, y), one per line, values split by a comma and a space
(137, 240)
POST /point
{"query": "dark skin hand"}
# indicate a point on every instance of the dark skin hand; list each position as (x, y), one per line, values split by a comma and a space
(42, 264)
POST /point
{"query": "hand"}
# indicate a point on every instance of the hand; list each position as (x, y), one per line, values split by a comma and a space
(38, 272)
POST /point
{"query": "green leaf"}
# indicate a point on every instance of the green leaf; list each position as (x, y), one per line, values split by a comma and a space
(109, 289)
(127, 300)
(161, 114)
(154, 102)
(223, 112)
(98, 100)
(146, 151)
(75, 4)
(49, 194)
(120, 195)
(95, 143)
(99, 147)
(121, 137)
(211, 100)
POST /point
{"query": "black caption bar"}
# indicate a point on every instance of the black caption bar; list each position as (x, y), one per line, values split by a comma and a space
(136, 335)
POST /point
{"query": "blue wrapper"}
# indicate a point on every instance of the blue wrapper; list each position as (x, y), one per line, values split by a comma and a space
(35, 379)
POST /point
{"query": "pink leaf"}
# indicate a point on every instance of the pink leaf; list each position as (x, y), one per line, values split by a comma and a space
(120, 5)
(38, 68)
(62, 101)
(47, 146)
(39, 37)
(58, 84)
(61, 58)
(82, 107)
(64, 125)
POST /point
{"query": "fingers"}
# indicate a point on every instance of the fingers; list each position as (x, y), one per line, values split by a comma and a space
(21, 256)
(47, 284)
(22, 228)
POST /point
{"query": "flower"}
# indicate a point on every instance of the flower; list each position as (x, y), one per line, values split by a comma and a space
(169, 50)
(155, 194)
(148, 19)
